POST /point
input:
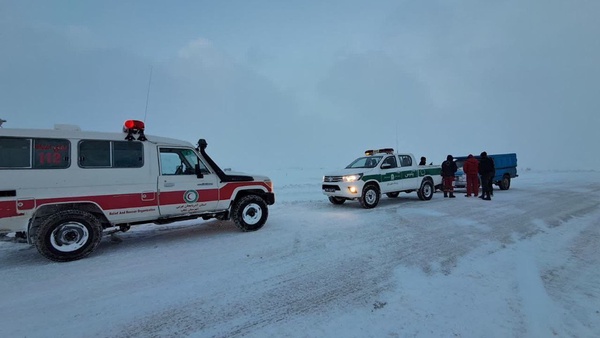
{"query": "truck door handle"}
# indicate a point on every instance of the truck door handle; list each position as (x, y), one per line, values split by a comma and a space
(169, 184)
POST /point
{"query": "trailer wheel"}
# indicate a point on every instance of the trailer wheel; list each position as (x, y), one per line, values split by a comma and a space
(426, 190)
(249, 213)
(370, 196)
(68, 235)
(505, 183)
(337, 200)
(393, 194)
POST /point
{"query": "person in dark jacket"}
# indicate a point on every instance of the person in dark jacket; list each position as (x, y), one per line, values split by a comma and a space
(486, 171)
(471, 170)
(423, 161)
(448, 172)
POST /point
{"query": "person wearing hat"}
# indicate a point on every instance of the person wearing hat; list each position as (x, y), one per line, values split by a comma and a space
(486, 171)
(471, 169)
(448, 172)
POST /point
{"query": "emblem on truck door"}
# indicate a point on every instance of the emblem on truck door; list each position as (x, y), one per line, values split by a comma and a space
(190, 196)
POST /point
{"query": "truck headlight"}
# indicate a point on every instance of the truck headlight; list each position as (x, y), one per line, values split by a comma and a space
(352, 178)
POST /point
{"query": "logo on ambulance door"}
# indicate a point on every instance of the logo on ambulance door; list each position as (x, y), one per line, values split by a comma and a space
(190, 196)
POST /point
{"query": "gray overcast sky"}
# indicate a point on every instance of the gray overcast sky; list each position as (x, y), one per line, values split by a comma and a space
(314, 83)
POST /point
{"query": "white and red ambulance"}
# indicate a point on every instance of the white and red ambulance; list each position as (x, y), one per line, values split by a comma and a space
(63, 188)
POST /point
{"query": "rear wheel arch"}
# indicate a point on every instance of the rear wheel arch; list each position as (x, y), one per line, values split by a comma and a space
(68, 234)
(47, 210)
(426, 189)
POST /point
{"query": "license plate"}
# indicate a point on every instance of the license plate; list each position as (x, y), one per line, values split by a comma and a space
(329, 189)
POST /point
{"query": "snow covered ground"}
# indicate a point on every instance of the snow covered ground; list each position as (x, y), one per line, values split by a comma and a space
(526, 264)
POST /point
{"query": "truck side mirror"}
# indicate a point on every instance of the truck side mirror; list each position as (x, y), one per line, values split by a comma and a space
(198, 171)
(386, 166)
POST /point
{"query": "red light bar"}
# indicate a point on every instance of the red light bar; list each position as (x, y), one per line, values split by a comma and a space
(132, 127)
(134, 124)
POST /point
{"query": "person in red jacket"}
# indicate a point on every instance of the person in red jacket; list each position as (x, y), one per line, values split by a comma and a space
(471, 169)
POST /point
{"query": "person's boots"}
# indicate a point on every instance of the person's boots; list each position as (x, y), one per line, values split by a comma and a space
(445, 194)
(487, 196)
(452, 195)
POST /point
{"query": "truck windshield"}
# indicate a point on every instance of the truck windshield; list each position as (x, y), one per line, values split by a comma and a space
(365, 162)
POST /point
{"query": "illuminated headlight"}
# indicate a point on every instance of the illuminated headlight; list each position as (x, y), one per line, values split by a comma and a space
(352, 178)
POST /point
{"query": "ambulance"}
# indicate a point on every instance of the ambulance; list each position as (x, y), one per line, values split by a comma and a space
(62, 189)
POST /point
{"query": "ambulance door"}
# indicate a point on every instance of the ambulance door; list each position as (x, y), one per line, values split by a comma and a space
(180, 191)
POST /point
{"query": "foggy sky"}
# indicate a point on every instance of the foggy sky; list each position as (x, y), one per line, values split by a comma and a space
(313, 84)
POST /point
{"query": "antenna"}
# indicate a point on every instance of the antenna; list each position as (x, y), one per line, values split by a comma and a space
(396, 136)
(148, 94)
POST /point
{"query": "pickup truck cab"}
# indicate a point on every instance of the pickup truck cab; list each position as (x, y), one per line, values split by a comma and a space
(381, 171)
(506, 170)
(63, 188)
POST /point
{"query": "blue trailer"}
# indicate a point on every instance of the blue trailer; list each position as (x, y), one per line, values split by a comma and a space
(506, 170)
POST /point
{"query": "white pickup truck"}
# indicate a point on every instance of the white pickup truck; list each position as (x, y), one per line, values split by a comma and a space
(379, 172)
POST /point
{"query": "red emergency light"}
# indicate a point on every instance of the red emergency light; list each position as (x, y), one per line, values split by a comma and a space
(132, 127)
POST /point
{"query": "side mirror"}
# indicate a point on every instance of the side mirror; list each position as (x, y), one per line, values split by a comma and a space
(386, 166)
(198, 171)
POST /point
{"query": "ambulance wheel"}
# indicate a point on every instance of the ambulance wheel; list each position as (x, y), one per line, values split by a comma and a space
(337, 200)
(393, 194)
(426, 190)
(505, 183)
(68, 235)
(370, 196)
(249, 213)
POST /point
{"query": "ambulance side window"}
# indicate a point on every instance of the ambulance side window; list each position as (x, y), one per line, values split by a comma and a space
(169, 161)
(34, 153)
(127, 154)
(180, 161)
(111, 154)
(51, 153)
(94, 154)
(15, 152)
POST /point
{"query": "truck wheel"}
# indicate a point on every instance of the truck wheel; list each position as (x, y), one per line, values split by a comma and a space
(370, 196)
(505, 183)
(68, 235)
(426, 191)
(249, 213)
(336, 200)
(393, 194)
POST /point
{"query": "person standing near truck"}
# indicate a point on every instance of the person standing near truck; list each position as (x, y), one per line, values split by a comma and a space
(486, 171)
(448, 172)
(471, 169)
(423, 161)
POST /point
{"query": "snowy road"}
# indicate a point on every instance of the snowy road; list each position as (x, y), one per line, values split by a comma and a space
(525, 264)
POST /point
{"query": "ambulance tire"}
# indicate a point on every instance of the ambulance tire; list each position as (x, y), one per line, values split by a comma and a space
(370, 196)
(249, 213)
(68, 235)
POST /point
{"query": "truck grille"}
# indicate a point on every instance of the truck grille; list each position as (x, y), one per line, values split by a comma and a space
(332, 179)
